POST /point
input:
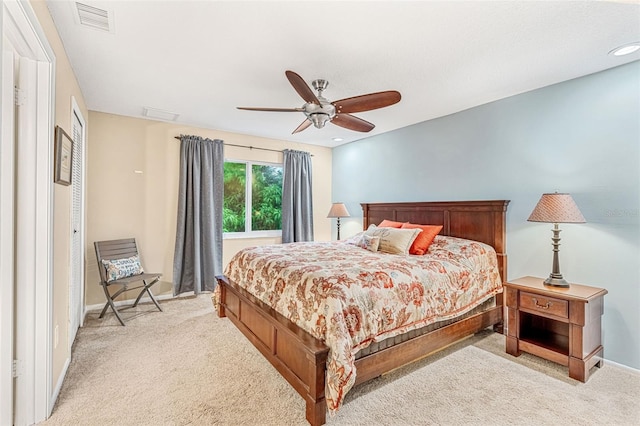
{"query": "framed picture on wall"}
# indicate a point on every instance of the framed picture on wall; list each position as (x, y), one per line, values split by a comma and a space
(63, 157)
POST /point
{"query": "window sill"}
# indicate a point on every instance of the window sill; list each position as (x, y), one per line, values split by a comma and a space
(251, 235)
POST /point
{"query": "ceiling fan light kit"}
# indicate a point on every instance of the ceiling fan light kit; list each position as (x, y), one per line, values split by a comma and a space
(319, 119)
(319, 111)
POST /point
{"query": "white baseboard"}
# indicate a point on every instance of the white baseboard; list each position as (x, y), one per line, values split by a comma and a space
(622, 366)
(56, 391)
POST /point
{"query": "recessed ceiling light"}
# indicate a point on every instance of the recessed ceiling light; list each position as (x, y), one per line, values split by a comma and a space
(337, 139)
(625, 49)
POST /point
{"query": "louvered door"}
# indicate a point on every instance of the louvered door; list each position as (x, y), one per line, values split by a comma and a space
(76, 293)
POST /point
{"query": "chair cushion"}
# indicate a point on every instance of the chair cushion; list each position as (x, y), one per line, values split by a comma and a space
(122, 268)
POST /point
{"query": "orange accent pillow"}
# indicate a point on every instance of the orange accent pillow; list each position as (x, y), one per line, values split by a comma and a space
(391, 224)
(424, 239)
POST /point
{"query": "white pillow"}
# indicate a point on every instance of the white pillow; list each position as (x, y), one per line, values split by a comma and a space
(393, 240)
(369, 242)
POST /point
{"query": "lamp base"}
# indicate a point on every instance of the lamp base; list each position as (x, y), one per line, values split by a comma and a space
(555, 277)
(556, 282)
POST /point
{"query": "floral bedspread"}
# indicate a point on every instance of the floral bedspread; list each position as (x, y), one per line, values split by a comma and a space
(348, 296)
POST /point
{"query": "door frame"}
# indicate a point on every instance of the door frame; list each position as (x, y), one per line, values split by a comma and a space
(33, 235)
(7, 194)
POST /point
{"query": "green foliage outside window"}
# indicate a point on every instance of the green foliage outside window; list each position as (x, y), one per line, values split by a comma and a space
(265, 195)
(233, 214)
(266, 198)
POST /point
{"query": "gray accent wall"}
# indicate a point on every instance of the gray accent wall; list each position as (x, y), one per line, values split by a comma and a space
(581, 137)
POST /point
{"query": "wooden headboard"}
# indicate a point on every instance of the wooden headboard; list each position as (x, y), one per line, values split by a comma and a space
(483, 221)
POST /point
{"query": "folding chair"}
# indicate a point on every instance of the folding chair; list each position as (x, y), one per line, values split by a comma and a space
(122, 266)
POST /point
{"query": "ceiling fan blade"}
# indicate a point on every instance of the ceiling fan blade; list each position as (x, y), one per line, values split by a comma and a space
(306, 123)
(367, 102)
(302, 88)
(272, 109)
(352, 122)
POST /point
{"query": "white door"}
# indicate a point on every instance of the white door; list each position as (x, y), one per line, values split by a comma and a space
(76, 285)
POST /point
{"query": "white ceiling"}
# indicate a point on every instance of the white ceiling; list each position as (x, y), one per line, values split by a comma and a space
(201, 59)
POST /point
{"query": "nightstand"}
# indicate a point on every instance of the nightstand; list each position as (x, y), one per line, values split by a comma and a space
(560, 324)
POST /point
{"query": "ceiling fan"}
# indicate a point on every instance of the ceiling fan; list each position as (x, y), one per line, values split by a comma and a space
(319, 110)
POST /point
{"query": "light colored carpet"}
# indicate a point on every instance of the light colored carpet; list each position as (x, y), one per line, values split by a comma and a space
(186, 366)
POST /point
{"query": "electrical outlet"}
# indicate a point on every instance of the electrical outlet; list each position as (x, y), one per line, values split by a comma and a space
(56, 336)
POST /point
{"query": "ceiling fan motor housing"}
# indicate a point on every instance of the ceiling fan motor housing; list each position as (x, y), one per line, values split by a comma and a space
(319, 114)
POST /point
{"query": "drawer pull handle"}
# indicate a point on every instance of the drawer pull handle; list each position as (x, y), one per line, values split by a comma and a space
(547, 306)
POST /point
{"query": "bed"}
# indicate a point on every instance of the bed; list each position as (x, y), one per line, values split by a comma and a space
(305, 361)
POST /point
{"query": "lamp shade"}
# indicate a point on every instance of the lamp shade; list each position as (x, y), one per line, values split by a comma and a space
(556, 208)
(338, 210)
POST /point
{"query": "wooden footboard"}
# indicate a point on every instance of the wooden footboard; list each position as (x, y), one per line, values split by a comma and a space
(298, 356)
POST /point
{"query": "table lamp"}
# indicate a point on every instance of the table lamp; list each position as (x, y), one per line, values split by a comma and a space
(338, 210)
(556, 208)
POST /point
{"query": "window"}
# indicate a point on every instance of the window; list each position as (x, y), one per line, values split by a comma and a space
(255, 208)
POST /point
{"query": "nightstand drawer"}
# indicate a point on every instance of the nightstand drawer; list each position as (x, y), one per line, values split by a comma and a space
(544, 305)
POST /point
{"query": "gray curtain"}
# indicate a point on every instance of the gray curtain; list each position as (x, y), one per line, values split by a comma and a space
(297, 205)
(198, 252)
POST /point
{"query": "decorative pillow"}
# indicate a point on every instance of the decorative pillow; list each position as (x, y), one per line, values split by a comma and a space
(122, 268)
(390, 224)
(424, 239)
(369, 242)
(394, 240)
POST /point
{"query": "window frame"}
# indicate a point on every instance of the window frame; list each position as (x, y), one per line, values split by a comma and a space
(248, 200)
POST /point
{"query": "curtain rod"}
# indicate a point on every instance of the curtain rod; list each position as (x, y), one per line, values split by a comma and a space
(245, 146)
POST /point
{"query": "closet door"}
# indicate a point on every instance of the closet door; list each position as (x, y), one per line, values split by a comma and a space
(76, 285)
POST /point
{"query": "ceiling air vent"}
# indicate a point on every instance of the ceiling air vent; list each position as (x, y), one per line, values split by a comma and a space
(159, 114)
(94, 17)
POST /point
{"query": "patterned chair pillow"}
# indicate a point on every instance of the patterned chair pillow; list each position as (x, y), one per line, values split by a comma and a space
(122, 268)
